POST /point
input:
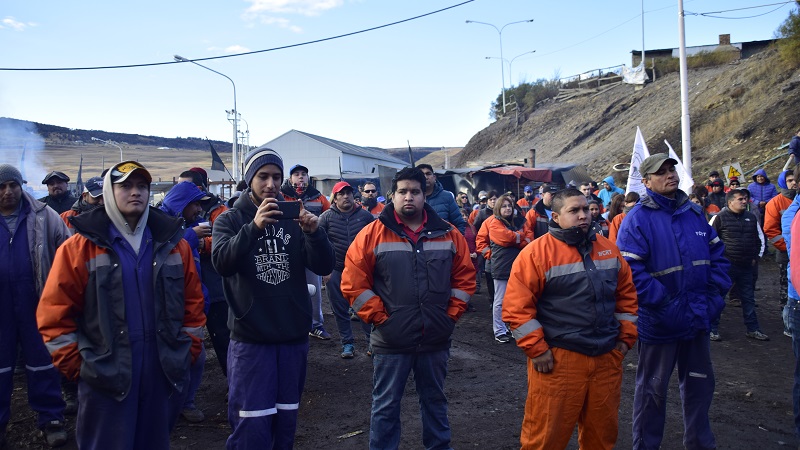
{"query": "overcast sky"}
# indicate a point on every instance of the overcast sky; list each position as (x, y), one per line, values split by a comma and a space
(424, 80)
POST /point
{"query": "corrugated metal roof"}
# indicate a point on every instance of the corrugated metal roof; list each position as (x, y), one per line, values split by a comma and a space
(350, 149)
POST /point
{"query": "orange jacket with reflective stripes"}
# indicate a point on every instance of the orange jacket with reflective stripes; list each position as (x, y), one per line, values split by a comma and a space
(772, 220)
(81, 313)
(413, 292)
(580, 298)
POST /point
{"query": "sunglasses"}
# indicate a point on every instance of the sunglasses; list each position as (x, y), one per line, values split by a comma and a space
(370, 191)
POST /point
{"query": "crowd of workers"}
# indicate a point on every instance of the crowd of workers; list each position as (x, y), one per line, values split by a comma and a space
(110, 299)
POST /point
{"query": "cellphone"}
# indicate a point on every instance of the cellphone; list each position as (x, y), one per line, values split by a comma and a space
(290, 210)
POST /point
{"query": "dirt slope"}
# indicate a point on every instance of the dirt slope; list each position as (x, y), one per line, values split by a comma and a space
(740, 111)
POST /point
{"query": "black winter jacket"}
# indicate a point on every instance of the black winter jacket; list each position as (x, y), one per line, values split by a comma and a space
(264, 274)
(342, 228)
(741, 235)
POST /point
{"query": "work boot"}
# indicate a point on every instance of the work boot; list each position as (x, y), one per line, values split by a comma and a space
(193, 415)
(54, 433)
(71, 400)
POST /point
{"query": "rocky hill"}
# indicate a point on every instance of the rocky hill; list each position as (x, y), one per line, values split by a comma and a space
(739, 112)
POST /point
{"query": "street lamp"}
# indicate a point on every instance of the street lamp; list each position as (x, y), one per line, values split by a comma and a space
(110, 143)
(510, 83)
(245, 137)
(502, 67)
(235, 161)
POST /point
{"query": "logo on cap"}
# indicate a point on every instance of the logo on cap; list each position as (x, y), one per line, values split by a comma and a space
(122, 171)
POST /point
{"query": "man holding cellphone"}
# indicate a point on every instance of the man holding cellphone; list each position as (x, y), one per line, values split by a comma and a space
(263, 258)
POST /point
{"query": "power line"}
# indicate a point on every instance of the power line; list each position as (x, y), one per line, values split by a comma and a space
(711, 14)
(604, 32)
(316, 41)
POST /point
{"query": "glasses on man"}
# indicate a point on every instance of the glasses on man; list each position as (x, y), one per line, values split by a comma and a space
(369, 191)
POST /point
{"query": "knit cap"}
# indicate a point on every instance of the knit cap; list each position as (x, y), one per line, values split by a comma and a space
(10, 173)
(257, 159)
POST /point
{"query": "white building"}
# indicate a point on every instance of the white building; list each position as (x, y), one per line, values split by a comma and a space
(332, 160)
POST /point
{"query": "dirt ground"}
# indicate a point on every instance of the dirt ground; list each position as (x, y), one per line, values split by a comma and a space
(486, 387)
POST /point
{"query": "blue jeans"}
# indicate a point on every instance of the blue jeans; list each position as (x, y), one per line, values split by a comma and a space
(341, 307)
(745, 283)
(316, 300)
(388, 383)
(791, 317)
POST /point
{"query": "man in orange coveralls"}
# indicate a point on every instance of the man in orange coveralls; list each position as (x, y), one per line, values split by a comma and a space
(571, 304)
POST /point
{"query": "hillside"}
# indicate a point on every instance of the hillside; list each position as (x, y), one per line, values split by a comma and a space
(54, 135)
(739, 112)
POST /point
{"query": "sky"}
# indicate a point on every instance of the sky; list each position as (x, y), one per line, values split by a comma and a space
(424, 82)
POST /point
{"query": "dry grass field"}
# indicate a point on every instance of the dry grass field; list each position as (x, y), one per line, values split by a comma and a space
(164, 165)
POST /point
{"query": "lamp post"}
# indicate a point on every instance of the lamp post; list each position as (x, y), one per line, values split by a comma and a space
(235, 161)
(502, 67)
(110, 143)
(510, 81)
(245, 137)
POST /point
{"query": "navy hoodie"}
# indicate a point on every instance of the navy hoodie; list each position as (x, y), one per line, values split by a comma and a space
(264, 274)
(176, 200)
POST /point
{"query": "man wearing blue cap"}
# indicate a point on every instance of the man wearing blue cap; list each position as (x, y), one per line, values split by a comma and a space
(298, 187)
(91, 198)
(528, 199)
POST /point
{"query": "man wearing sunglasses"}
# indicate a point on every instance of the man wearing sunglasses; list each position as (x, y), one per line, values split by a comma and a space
(369, 199)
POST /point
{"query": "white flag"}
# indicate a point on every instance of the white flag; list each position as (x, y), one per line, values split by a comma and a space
(687, 183)
(640, 152)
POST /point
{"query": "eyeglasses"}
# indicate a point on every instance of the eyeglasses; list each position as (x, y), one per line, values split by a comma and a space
(370, 191)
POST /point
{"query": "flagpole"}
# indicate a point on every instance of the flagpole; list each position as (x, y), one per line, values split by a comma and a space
(686, 139)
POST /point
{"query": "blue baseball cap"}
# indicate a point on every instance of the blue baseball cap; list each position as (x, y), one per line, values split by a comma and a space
(297, 167)
(94, 186)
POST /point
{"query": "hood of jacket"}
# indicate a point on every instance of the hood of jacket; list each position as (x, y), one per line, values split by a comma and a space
(133, 236)
(179, 197)
(763, 173)
(610, 180)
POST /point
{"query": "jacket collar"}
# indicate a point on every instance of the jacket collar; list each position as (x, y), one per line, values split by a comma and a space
(437, 188)
(574, 236)
(540, 208)
(288, 191)
(434, 223)
(94, 225)
(658, 201)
